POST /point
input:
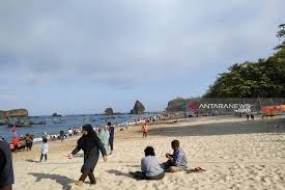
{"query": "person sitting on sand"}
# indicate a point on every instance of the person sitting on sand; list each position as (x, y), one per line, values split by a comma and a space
(150, 167)
(176, 161)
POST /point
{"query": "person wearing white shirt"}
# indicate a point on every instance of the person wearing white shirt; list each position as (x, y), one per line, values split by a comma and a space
(44, 150)
(70, 132)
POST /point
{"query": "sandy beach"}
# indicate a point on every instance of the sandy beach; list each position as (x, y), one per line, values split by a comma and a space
(236, 154)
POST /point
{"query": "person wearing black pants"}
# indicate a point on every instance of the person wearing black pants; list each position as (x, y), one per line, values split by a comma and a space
(90, 144)
(42, 156)
(112, 134)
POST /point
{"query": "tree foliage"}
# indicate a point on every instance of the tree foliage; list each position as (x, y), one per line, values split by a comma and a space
(180, 104)
(264, 78)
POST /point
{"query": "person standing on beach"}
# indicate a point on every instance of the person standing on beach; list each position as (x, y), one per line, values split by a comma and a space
(28, 140)
(6, 166)
(105, 137)
(112, 134)
(144, 129)
(61, 136)
(32, 141)
(70, 133)
(90, 144)
(44, 150)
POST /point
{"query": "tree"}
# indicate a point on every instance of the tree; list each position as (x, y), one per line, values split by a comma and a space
(264, 78)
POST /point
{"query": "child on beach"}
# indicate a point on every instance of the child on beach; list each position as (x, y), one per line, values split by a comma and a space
(176, 161)
(144, 130)
(44, 149)
(150, 167)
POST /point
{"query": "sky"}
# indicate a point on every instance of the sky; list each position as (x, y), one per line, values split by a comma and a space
(80, 57)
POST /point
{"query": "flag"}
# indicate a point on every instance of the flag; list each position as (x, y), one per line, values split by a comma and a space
(14, 129)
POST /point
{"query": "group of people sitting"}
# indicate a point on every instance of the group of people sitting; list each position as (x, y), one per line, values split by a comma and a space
(151, 169)
(22, 143)
(73, 131)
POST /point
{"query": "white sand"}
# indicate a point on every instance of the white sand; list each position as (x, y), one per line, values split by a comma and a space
(236, 155)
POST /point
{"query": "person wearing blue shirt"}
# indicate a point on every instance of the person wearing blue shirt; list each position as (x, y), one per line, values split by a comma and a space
(176, 161)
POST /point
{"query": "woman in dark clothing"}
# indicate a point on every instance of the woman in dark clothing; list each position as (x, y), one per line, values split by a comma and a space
(90, 144)
(111, 138)
(6, 166)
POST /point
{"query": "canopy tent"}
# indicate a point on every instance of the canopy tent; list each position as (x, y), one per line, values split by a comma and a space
(270, 110)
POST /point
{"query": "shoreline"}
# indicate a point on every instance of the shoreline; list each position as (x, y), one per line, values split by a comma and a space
(168, 123)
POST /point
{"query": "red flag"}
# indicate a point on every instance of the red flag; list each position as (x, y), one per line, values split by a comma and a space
(14, 129)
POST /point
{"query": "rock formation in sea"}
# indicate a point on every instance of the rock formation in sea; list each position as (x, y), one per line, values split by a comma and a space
(18, 117)
(109, 111)
(56, 115)
(14, 113)
(138, 108)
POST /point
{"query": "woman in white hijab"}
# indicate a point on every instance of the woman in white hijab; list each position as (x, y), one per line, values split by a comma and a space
(104, 135)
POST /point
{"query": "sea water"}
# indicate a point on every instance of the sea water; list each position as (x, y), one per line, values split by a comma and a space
(53, 125)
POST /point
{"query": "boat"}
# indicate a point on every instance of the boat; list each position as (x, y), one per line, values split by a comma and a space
(39, 123)
(2, 122)
(57, 120)
(19, 122)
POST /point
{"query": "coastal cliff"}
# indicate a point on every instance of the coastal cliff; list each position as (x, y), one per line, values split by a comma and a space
(14, 113)
(178, 104)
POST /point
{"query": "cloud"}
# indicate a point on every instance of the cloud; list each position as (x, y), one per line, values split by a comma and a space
(126, 44)
(8, 97)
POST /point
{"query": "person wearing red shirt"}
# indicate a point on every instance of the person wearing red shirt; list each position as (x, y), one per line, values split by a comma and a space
(16, 143)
